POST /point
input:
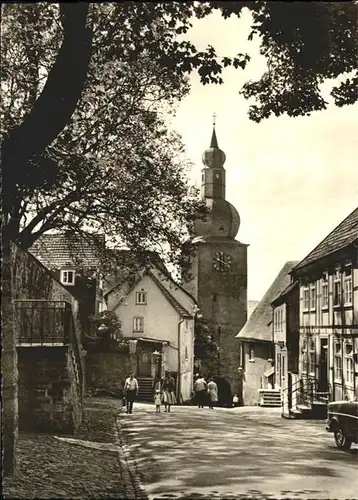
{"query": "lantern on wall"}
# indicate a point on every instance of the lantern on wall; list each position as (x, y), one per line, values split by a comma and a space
(156, 356)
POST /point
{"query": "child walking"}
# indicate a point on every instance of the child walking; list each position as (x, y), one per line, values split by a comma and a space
(157, 400)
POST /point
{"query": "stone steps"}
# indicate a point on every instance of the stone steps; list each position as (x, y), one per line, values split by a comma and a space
(145, 393)
(270, 397)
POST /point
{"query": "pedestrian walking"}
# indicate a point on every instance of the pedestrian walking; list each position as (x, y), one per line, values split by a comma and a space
(213, 393)
(200, 391)
(168, 395)
(131, 389)
(157, 400)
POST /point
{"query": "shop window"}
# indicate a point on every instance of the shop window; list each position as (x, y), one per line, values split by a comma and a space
(312, 357)
(304, 361)
(338, 362)
(349, 364)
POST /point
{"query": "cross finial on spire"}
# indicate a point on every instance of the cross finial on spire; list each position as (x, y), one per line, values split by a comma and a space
(214, 119)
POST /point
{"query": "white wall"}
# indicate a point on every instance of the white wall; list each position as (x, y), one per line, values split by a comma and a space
(187, 357)
(160, 318)
(161, 321)
(181, 296)
(325, 322)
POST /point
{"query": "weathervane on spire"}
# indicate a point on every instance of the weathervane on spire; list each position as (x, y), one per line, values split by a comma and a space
(214, 119)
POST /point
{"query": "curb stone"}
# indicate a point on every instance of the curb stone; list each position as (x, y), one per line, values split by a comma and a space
(133, 488)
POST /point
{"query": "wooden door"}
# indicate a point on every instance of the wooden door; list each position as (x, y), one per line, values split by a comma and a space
(145, 360)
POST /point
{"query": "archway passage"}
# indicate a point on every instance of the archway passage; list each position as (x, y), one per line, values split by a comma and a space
(224, 392)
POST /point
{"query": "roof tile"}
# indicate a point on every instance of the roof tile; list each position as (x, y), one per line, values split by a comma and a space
(56, 251)
(342, 236)
(258, 326)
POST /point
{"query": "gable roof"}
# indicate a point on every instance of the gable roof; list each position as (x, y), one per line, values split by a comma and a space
(161, 268)
(281, 297)
(173, 301)
(15, 248)
(258, 326)
(251, 306)
(56, 251)
(341, 237)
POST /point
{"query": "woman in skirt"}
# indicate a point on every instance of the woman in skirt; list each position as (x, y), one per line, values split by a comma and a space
(168, 388)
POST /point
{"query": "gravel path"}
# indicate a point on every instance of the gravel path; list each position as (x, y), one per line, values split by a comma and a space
(96, 468)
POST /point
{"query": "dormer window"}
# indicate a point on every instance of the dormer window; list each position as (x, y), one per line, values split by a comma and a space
(67, 277)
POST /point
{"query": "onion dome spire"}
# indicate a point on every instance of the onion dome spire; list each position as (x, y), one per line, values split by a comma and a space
(213, 157)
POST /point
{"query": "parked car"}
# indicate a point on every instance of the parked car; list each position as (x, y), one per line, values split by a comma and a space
(342, 420)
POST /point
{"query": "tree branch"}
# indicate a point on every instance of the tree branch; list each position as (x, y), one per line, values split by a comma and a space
(57, 102)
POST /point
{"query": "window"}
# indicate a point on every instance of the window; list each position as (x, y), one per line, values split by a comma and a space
(138, 324)
(251, 354)
(324, 291)
(313, 297)
(348, 286)
(306, 299)
(324, 295)
(337, 288)
(312, 356)
(186, 353)
(67, 277)
(141, 298)
(338, 362)
(349, 364)
(304, 357)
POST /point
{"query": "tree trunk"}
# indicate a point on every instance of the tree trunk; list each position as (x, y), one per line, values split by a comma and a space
(50, 114)
(9, 365)
(55, 105)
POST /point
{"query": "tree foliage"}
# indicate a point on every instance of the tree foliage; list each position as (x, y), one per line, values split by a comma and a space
(115, 167)
(205, 347)
(304, 44)
(106, 330)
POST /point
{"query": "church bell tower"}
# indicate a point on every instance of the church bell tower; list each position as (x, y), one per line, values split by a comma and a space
(218, 271)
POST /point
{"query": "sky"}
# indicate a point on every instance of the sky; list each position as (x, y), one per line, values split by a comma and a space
(292, 180)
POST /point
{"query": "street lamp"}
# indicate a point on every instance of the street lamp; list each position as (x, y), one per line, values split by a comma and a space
(156, 356)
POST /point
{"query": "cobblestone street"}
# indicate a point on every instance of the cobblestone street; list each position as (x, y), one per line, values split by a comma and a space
(251, 452)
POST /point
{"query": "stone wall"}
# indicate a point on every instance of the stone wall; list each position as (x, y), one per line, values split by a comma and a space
(48, 392)
(48, 397)
(108, 370)
(222, 299)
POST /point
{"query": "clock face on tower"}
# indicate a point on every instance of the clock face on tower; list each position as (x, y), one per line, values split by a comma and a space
(221, 261)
